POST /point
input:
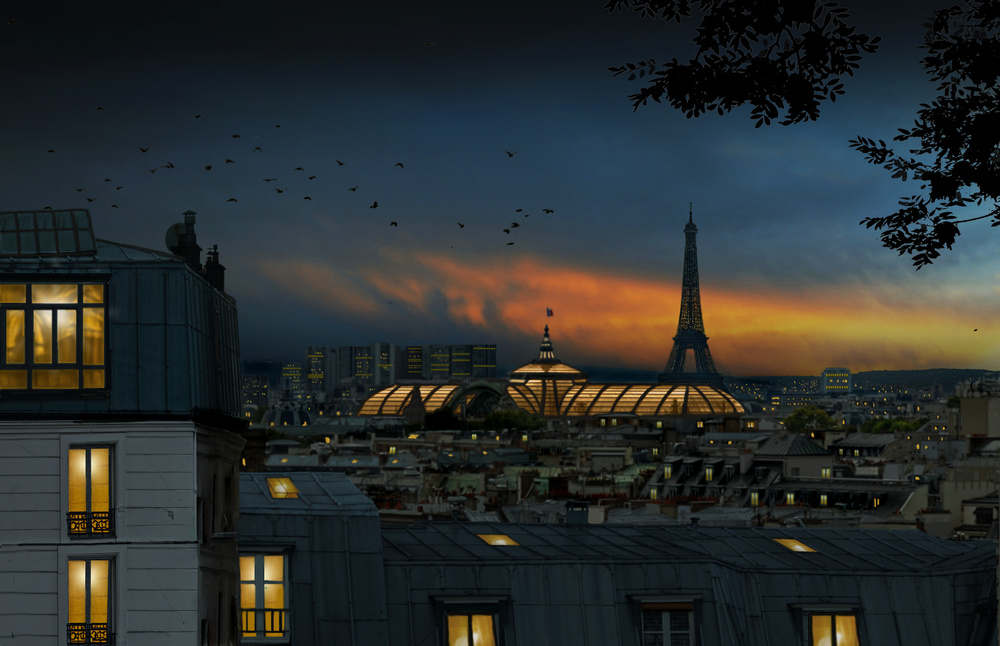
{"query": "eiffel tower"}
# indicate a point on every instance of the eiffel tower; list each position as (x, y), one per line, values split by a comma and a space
(690, 328)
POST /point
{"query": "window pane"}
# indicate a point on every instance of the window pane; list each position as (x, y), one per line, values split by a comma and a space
(93, 293)
(100, 480)
(49, 379)
(78, 480)
(458, 630)
(43, 336)
(12, 293)
(77, 592)
(99, 591)
(93, 336)
(53, 294)
(482, 630)
(847, 630)
(246, 568)
(274, 568)
(93, 378)
(66, 335)
(14, 379)
(15, 336)
(248, 601)
(822, 630)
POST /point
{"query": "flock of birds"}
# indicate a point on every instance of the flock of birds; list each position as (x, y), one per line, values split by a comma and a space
(108, 195)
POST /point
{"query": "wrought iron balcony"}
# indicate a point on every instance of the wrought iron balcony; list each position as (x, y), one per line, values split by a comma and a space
(91, 524)
(263, 623)
(89, 635)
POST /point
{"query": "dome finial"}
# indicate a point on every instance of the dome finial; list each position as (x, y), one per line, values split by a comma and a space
(545, 351)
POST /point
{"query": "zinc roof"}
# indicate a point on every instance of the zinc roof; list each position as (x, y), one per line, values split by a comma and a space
(318, 493)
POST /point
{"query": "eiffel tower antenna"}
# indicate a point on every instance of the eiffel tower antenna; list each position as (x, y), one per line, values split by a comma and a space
(690, 327)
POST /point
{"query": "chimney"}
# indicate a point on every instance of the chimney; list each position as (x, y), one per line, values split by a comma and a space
(577, 512)
(182, 241)
(214, 271)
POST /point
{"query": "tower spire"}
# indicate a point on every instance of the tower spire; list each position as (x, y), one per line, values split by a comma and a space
(690, 327)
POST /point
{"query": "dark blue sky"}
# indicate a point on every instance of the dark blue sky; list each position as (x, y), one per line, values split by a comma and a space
(790, 282)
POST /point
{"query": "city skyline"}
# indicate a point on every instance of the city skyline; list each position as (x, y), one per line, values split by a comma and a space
(451, 120)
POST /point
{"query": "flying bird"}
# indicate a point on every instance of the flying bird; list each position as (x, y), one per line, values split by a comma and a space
(547, 211)
(506, 230)
(354, 188)
(400, 164)
(339, 163)
(107, 179)
(91, 199)
(312, 177)
(80, 190)
(307, 198)
(236, 136)
(99, 109)
(118, 188)
(510, 154)
(167, 165)
(393, 224)
(142, 150)
(514, 225)
(429, 44)
(461, 226)
(280, 190)
(270, 179)
(298, 168)
(518, 210)
(11, 22)
(277, 125)
(232, 199)
(374, 205)
(152, 170)
(51, 151)
(509, 243)
(230, 161)
(197, 116)
(208, 168)
(257, 149)
(114, 206)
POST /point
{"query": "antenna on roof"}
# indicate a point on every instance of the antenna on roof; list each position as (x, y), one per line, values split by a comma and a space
(690, 212)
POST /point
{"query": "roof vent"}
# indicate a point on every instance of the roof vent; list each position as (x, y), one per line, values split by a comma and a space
(577, 512)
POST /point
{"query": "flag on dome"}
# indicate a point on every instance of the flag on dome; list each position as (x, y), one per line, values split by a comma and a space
(548, 311)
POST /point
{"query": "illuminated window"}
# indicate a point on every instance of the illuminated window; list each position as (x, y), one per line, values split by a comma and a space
(825, 472)
(263, 598)
(475, 627)
(790, 498)
(89, 602)
(822, 500)
(524, 437)
(709, 472)
(659, 424)
(700, 424)
(794, 545)
(668, 624)
(652, 494)
(53, 336)
(656, 451)
(392, 450)
(833, 630)
(667, 472)
(498, 539)
(755, 499)
(90, 513)
(282, 488)
(475, 436)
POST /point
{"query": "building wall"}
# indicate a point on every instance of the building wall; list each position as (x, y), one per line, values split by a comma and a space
(163, 561)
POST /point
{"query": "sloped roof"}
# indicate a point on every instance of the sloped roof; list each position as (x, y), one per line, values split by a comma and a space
(319, 493)
(790, 444)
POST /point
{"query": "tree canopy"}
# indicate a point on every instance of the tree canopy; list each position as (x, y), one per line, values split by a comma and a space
(790, 55)
(808, 419)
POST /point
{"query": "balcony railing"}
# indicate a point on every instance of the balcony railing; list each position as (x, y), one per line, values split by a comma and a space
(89, 635)
(91, 524)
(264, 623)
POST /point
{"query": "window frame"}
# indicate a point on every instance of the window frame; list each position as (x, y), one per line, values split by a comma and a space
(808, 611)
(82, 634)
(89, 516)
(470, 607)
(262, 635)
(29, 365)
(667, 603)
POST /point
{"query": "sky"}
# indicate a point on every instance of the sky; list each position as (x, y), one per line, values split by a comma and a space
(461, 120)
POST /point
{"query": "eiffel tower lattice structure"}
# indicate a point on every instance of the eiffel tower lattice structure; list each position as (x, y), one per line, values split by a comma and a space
(691, 328)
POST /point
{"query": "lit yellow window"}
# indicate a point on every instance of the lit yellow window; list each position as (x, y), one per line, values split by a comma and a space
(822, 500)
(668, 471)
(826, 472)
(282, 488)
(90, 513)
(471, 630)
(652, 494)
(54, 336)
(833, 630)
(263, 598)
(754, 498)
(498, 539)
(794, 545)
(392, 450)
(790, 498)
(88, 618)
(709, 472)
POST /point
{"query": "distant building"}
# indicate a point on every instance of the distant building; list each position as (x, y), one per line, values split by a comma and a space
(413, 363)
(119, 453)
(835, 380)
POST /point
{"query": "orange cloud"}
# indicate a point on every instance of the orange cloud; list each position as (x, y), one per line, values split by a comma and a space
(621, 319)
